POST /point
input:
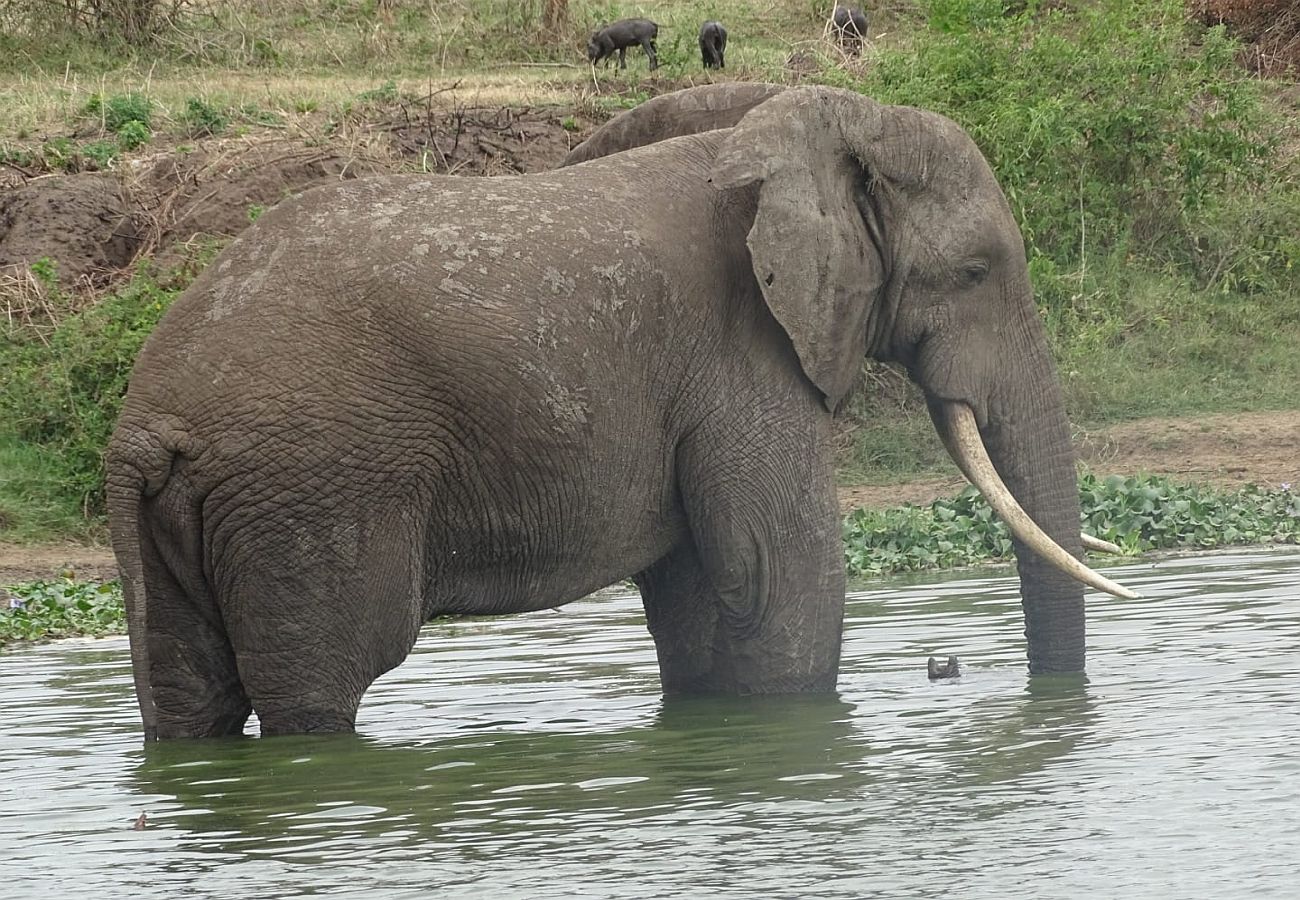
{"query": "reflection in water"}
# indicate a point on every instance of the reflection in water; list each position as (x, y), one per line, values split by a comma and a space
(692, 756)
(532, 755)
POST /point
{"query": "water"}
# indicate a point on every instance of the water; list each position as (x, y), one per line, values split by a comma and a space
(532, 756)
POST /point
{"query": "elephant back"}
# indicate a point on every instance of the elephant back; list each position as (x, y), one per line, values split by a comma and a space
(688, 111)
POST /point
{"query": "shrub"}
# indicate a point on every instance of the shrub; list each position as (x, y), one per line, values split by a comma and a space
(133, 134)
(120, 109)
(63, 392)
(1114, 127)
(201, 118)
(51, 609)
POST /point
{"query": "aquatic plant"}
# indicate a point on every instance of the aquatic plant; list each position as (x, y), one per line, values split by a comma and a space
(61, 608)
(1138, 513)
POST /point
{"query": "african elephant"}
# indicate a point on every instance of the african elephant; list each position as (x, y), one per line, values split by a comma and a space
(406, 396)
(680, 113)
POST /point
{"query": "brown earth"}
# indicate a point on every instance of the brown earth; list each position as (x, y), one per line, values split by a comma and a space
(93, 225)
(1223, 450)
(1228, 451)
(1269, 31)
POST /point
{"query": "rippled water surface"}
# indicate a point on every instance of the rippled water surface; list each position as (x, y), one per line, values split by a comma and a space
(532, 756)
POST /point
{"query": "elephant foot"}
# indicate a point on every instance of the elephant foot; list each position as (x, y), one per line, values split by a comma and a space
(938, 671)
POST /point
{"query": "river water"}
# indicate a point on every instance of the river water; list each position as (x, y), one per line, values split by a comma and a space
(532, 756)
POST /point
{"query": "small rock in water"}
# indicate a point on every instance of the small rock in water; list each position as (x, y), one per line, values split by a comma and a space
(936, 670)
(140, 821)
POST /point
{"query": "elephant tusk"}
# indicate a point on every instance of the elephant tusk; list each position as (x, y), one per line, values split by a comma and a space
(1095, 544)
(1100, 546)
(973, 459)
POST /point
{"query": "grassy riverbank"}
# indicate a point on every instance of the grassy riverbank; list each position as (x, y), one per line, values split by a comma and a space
(1138, 514)
(1155, 179)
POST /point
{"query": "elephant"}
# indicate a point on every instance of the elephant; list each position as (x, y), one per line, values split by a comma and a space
(408, 396)
(690, 111)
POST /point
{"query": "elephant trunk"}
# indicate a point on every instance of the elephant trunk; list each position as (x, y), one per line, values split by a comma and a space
(1028, 441)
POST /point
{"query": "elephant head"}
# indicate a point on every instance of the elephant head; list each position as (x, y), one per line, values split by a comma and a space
(881, 231)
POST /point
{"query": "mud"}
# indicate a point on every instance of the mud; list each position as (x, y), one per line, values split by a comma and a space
(1269, 31)
(97, 224)
(83, 223)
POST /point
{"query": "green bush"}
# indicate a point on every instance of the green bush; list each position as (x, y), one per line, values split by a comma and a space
(1115, 128)
(120, 109)
(64, 396)
(133, 135)
(201, 118)
(1138, 514)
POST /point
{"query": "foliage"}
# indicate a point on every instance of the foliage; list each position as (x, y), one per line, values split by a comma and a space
(120, 109)
(63, 608)
(63, 394)
(1152, 513)
(201, 118)
(113, 22)
(133, 135)
(1114, 128)
(1137, 513)
(384, 93)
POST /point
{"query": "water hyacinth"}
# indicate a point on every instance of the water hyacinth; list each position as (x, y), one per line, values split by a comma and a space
(61, 608)
(1138, 513)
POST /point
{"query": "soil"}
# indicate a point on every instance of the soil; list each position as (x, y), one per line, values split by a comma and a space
(81, 222)
(93, 225)
(1223, 450)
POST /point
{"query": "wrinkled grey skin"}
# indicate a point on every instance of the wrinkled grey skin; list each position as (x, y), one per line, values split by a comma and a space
(407, 396)
(619, 36)
(713, 45)
(690, 111)
(850, 27)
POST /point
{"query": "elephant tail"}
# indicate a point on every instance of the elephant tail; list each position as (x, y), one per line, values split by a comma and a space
(139, 465)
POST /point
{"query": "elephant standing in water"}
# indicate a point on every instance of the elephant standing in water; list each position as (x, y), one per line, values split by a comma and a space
(407, 396)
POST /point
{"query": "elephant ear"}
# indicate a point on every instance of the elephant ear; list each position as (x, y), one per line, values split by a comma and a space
(811, 244)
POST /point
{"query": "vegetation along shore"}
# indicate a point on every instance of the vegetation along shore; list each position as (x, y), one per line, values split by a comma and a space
(1150, 150)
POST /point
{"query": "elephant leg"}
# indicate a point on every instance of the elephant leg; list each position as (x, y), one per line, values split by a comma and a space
(756, 604)
(193, 677)
(682, 616)
(311, 639)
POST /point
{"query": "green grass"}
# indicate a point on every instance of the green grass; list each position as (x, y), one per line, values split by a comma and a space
(35, 503)
(308, 55)
(62, 392)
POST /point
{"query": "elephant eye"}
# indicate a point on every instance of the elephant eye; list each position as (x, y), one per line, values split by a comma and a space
(974, 272)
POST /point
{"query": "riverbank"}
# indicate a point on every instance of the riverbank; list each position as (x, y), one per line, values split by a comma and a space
(1220, 451)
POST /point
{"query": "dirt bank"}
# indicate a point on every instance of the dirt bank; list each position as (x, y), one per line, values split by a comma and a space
(1226, 451)
(94, 224)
